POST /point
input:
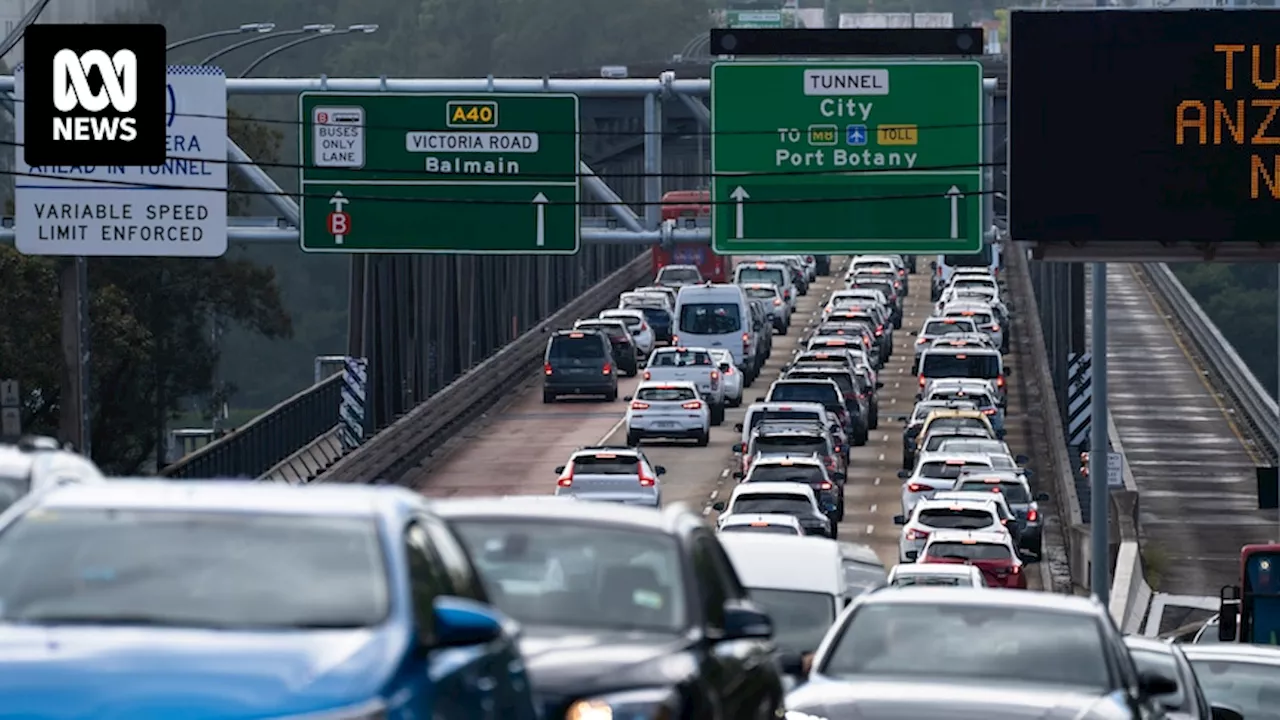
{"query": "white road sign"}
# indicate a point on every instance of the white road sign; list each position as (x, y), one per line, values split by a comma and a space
(339, 137)
(178, 209)
(1115, 469)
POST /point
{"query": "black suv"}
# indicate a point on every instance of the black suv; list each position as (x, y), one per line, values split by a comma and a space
(633, 610)
(579, 362)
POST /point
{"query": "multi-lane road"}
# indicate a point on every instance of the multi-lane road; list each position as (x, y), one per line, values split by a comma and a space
(516, 450)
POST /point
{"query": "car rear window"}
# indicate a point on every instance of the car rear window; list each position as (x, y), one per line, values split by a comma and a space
(1014, 493)
(569, 347)
(786, 473)
(842, 303)
(805, 392)
(981, 318)
(710, 318)
(766, 528)
(942, 327)
(606, 464)
(981, 400)
(769, 503)
(966, 519)
(960, 365)
(844, 380)
(794, 444)
(928, 580)
(761, 416)
(630, 321)
(681, 358)
(947, 470)
(680, 275)
(655, 315)
(936, 441)
(763, 293)
(968, 551)
(610, 329)
(956, 423)
(770, 276)
(676, 394)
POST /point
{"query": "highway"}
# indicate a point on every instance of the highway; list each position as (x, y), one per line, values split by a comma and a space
(1193, 467)
(516, 450)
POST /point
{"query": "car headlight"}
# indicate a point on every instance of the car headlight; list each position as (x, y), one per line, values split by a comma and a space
(371, 710)
(649, 704)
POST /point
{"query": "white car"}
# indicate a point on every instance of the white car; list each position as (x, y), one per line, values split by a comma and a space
(936, 472)
(641, 333)
(933, 515)
(690, 364)
(984, 316)
(730, 377)
(673, 409)
(930, 575)
(781, 498)
(762, 523)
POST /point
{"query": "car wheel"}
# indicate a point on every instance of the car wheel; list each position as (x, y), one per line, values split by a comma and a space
(835, 531)
(783, 329)
(633, 440)
(612, 395)
(873, 420)
(736, 402)
(840, 512)
(704, 439)
(548, 397)
(717, 414)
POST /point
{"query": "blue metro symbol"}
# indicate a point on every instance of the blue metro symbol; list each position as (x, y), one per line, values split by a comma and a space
(855, 135)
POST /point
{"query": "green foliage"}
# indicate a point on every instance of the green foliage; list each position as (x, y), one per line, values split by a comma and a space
(1241, 301)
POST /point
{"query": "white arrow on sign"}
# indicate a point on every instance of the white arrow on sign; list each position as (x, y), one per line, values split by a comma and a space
(338, 201)
(739, 195)
(954, 196)
(540, 202)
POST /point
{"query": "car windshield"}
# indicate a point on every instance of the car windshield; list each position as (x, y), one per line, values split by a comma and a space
(1253, 688)
(681, 358)
(767, 503)
(883, 286)
(687, 276)
(947, 519)
(771, 276)
(975, 643)
(192, 569)
(800, 619)
(1015, 493)
(985, 551)
(979, 400)
(766, 528)
(947, 469)
(792, 444)
(1162, 664)
(941, 327)
(583, 347)
(579, 575)
(960, 365)
(786, 473)
(606, 464)
(822, 393)
(710, 318)
(666, 394)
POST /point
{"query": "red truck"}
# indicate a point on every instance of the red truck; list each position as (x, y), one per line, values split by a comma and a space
(680, 205)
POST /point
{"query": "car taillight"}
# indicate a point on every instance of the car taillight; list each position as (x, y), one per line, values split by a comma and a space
(1015, 569)
(824, 485)
(830, 308)
(607, 369)
(999, 381)
(675, 340)
(648, 375)
(995, 327)
(566, 479)
(715, 377)
(902, 271)
(917, 534)
(786, 294)
(831, 463)
(777, 302)
(921, 381)
(728, 372)
(922, 341)
(746, 340)
(546, 369)
(692, 405)
(808, 258)
(645, 480)
(917, 487)
(989, 411)
(1033, 515)
(637, 405)
(879, 330)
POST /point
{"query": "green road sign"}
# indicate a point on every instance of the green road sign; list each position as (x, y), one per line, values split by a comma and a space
(439, 173)
(846, 157)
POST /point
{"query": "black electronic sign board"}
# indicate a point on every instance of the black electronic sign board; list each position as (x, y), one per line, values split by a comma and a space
(1136, 126)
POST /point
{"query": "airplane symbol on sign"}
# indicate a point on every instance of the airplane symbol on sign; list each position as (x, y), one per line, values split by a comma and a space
(856, 135)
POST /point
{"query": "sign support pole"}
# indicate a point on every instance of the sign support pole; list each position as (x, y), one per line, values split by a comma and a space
(1099, 445)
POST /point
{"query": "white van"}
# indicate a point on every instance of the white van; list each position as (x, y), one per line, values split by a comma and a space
(799, 581)
(715, 317)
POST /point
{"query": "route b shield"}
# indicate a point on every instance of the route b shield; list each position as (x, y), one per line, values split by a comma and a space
(339, 224)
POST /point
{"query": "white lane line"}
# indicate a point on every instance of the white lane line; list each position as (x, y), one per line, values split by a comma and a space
(877, 482)
(881, 458)
(893, 400)
(871, 529)
(724, 473)
(714, 494)
(616, 427)
(885, 439)
(706, 511)
(902, 371)
(873, 507)
(897, 385)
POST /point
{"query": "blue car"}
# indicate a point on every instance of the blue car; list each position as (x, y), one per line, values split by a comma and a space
(142, 600)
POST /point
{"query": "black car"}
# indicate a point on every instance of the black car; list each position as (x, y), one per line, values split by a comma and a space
(976, 653)
(828, 394)
(622, 609)
(578, 362)
(625, 353)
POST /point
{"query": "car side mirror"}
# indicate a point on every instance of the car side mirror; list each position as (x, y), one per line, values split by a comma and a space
(738, 475)
(724, 367)
(1021, 459)
(627, 398)
(660, 469)
(1222, 712)
(839, 476)
(899, 519)
(744, 620)
(461, 622)
(718, 507)
(737, 427)
(912, 333)
(1228, 613)
(919, 397)
(1153, 684)
(1028, 473)
(791, 663)
(559, 469)
(901, 418)
(904, 474)
(737, 447)
(1000, 434)
(933, 264)
(1008, 372)
(835, 428)
(879, 384)
(1042, 497)
(762, 399)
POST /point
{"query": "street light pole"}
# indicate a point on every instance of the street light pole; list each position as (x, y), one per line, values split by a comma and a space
(366, 29)
(245, 28)
(319, 28)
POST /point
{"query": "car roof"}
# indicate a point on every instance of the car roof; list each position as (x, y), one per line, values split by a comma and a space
(963, 351)
(779, 405)
(586, 513)
(668, 349)
(860, 553)
(605, 450)
(783, 427)
(769, 518)
(961, 382)
(804, 381)
(939, 413)
(785, 460)
(235, 497)
(945, 503)
(944, 455)
(771, 488)
(14, 462)
(780, 562)
(987, 597)
(971, 496)
(985, 474)
(664, 385)
(1239, 652)
(933, 569)
(1138, 642)
(621, 312)
(981, 537)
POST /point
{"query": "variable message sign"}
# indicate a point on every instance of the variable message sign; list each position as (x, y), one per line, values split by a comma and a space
(1160, 129)
(847, 157)
(440, 173)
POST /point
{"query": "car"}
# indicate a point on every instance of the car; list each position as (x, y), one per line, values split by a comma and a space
(671, 410)
(626, 354)
(863, 568)
(965, 440)
(974, 653)
(766, 523)
(793, 438)
(761, 340)
(1008, 520)
(983, 315)
(578, 362)
(37, 464)
(798, 580)
(770, 273)
(826, 392)
(230, 599)
(1017, 494)
(1165, 659)
(605, 473)
(678, 276)
(980, 392)
(859, 401)
(936, 472)
(656, 311)
(782, 498)
(689, 364)
(670, 293)
(641, 334)
(991, 552)
(947, 419)
(806, 469)
(611, 598)
(730, 377)
(759, 412)
(918, 575)
(938, 327)
(1238, 677)
(979, 364)
(779, 310)
(934, 515)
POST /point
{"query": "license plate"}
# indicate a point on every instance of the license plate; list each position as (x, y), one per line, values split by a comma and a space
(664, 424)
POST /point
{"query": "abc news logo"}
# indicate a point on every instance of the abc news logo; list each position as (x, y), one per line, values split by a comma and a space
(94, 95)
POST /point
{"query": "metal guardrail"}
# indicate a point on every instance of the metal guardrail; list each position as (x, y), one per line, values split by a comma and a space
(1231, 372)
(261, 443)
(406, 443)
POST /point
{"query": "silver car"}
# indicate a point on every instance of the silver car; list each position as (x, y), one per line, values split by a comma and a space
(730, 377)
(611, 474)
